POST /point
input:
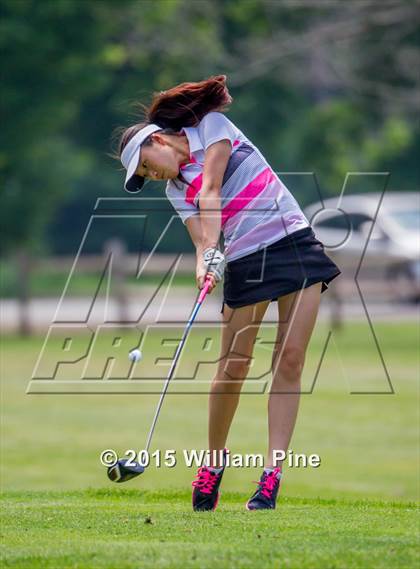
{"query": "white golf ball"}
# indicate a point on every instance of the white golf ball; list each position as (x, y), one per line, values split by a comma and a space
(134, 355)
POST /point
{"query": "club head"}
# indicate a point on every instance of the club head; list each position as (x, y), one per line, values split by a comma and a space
(120, 472)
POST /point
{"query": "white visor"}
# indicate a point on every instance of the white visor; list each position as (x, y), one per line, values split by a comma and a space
(131, 155)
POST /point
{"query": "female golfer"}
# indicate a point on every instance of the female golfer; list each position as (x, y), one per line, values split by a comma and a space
(218, 181)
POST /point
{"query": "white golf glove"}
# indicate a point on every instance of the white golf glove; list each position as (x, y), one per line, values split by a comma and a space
(214, 260)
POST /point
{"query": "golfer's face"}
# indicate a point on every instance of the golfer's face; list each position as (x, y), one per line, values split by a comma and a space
(158, 162)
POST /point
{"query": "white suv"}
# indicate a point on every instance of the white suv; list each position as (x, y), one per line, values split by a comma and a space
(393, 248)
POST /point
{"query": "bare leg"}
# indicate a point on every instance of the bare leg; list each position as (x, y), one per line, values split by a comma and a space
(240, 327)
(297, 317)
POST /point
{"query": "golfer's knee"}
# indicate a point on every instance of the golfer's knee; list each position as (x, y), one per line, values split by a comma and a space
(290, 366)
(237, 369)
(231, 374)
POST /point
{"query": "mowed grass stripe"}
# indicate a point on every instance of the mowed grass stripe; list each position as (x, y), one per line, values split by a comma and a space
(132, 529)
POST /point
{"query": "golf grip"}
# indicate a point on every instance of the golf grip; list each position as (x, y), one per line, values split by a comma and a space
(194, 313)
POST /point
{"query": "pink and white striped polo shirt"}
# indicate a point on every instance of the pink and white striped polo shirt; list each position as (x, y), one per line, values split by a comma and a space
(257, 208)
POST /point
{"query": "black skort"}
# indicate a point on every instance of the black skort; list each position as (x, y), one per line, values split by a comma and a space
(294, 262)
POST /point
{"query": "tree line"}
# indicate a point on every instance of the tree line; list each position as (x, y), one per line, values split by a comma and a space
(327, 87)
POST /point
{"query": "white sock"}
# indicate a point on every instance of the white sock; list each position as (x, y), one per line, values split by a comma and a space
(215, 470)
(268, 470)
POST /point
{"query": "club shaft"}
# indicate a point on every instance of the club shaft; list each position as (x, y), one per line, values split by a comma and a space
(175, 361)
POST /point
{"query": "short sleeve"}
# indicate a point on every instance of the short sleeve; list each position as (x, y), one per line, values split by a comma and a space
(214, 127)
(182, 207)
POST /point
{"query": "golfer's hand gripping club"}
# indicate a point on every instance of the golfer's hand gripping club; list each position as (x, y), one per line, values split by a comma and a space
(214, 260)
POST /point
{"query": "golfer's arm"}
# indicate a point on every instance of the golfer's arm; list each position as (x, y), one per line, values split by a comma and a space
(215, 162)
(193, 225)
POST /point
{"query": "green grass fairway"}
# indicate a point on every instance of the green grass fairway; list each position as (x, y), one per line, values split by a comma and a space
(134, 529)
(355, 510)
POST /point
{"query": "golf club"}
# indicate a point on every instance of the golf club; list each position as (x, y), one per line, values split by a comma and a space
(120, 471)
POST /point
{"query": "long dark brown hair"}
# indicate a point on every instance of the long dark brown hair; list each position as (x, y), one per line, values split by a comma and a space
(181, 106)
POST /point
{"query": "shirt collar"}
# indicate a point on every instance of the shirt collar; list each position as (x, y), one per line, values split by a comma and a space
(193, 138)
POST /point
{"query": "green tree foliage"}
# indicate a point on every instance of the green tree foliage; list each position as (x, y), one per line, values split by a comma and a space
(318, 86)
(52, 61)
